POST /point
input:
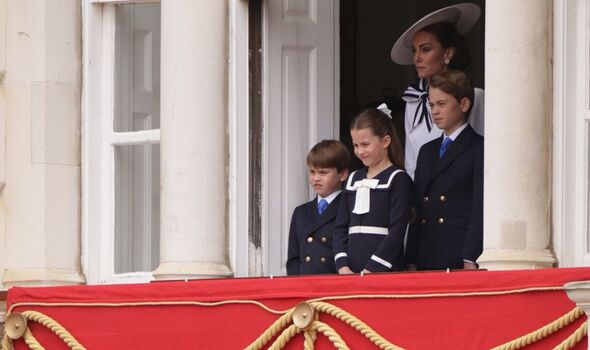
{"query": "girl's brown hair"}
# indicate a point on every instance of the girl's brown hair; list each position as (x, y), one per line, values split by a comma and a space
(381, 125)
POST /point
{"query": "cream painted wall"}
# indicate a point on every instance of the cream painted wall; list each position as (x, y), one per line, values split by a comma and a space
(42, 192)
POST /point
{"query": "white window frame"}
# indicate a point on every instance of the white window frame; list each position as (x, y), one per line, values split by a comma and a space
(244, 258)
(98, 139)
(571, 118)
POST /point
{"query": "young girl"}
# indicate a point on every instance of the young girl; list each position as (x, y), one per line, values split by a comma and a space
(375, 209)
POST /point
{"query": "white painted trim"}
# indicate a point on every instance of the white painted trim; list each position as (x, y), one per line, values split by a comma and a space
(579, 91)
(559, 148)
(238, 125)
(88, 19)
(98, 139)
(264, 196)
(336, 66)
(583, 257)
(570, 132)
(106, 260)
(135, 137)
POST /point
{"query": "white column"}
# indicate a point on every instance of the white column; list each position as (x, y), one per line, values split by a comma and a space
(42, 87)
(518, 139)
(579, 292)
(194, 140)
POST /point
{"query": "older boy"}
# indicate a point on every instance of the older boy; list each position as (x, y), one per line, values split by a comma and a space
(310, 235)
(448, 231)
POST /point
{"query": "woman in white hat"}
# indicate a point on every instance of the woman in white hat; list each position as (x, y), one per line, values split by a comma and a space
(433, 44)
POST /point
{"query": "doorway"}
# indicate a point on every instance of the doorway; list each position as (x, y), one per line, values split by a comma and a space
(368, 77)
(323, 61)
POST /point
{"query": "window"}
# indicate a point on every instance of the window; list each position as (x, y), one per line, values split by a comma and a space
(121, 166)
(571, 130)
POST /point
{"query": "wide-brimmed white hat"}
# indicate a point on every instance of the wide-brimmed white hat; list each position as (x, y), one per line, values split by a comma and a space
(461, 16)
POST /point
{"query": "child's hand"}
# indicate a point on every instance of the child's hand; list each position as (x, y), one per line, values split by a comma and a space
(469, 266)
(345, 270)
(365, 271)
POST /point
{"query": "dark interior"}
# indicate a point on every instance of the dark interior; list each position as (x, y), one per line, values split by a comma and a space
(368, 77)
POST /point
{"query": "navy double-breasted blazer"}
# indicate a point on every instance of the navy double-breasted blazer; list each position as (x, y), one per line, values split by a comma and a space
(310, 239)
(449, 200)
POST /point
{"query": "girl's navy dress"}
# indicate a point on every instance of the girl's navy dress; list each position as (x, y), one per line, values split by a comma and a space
(374, 240)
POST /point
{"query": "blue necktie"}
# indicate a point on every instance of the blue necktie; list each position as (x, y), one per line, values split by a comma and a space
(322, 205)
(445, 145)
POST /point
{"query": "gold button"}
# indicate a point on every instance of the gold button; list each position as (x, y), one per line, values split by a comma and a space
(423, 221)
(323, 260)
(324, 239)
(308, 258)
(441, 220)
(425, 199)
(309, 239)
(443, 198)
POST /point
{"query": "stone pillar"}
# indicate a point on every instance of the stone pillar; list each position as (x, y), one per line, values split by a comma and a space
(42, 88)
(194, 147)
(518, 139)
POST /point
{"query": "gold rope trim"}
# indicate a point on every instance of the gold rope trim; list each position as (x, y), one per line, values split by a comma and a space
(49, 323)
(279, 312)
(543, 332)
(329, 332)
(151, 303)
(270, 332)
(6, 344)
(355, 323)
(437, 295)
(574, 338)
(316, 325)
(320, 305)
(31, 341)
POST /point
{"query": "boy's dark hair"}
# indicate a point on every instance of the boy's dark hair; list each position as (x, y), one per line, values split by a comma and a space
(381, 125)
(329, 154)
(455, 83)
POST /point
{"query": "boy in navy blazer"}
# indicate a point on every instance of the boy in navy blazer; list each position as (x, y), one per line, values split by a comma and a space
(448, 230)
(310, 235)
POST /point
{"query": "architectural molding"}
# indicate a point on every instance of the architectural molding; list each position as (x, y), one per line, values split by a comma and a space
(176, 270)
(42, 277)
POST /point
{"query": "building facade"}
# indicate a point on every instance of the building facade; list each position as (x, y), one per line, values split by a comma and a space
(144, 140)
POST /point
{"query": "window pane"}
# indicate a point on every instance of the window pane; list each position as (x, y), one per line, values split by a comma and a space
(137, 208)
(137, 67)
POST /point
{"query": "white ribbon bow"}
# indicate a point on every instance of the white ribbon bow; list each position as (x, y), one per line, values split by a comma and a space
(363, 195)
(383, 108)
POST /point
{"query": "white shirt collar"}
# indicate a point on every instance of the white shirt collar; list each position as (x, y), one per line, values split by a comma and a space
(330, 197)
(456, 133)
